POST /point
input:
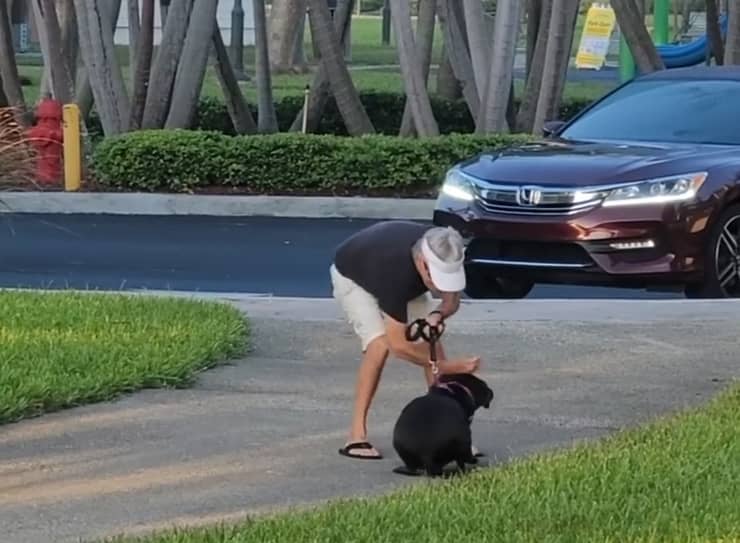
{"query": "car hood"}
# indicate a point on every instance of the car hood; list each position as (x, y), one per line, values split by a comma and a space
(569, 163)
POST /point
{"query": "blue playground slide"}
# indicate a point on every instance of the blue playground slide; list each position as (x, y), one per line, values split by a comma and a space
(689, 54)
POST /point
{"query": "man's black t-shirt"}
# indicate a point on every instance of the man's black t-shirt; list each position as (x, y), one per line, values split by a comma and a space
(379, 260)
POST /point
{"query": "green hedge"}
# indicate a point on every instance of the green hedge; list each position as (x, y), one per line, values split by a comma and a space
(185, 160)
(384, 108)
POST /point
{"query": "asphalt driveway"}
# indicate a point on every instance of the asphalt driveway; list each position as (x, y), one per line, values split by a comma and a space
(262, 433)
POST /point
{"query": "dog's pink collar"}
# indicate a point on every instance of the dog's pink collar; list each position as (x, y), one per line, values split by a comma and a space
(447, 387)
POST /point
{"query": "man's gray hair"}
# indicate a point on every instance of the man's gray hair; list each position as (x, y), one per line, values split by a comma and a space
(445, 242)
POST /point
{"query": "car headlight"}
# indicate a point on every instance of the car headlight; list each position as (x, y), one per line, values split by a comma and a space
(665, 190)
(458, 186)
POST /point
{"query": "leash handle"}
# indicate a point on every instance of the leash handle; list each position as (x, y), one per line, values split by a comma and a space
(421, 329)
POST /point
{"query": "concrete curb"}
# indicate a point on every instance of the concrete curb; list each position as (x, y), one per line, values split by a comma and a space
(476, 313)
(317, 207)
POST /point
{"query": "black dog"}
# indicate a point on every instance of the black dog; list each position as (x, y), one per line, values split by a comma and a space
(434, 430)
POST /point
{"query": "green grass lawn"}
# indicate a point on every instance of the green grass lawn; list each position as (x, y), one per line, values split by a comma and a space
(61, 349)
(675, 480)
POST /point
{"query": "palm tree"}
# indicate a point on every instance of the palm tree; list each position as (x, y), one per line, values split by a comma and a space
(492, 117)
(425, 42)
(557, 59)
(193, 64)
(632, 25)
(528, 105)
(236, 104)
(99, 55)
(479, 41)
(266, 118)
(143, 63)
(453, 26)
(286, 19)
(714, 33)
(348, 100)
(55, 64)
(320, 87)
(134, 28)
(559, 43)
(11, 83)
(165, 65)
(412, 71)
(732, 40)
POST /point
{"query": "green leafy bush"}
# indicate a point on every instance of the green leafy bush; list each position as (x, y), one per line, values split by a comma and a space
(185, 160)
(384, 108)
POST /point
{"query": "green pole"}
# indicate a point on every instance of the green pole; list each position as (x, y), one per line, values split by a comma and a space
(661, 12)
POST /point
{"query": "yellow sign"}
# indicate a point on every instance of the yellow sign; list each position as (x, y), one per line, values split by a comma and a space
(597, 31)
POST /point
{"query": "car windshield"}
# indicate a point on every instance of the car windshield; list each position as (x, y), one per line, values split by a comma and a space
(674, 111)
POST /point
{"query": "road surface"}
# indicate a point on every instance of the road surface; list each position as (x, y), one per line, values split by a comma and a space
(280, 257)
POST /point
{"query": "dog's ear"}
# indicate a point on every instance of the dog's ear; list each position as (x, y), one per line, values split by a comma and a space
(489, 398)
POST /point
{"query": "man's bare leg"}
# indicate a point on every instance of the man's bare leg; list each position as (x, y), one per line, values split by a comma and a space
(368, 377)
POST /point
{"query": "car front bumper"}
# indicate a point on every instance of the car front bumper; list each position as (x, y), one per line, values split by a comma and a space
(628, 245)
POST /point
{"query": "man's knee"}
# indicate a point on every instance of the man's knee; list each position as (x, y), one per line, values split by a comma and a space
(377, 347)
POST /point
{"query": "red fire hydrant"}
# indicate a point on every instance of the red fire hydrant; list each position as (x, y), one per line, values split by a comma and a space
(47, 137)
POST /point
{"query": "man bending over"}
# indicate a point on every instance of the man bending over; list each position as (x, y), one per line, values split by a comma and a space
(384, 277)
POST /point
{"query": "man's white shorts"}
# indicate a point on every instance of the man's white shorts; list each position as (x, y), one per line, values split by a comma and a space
(364, 313)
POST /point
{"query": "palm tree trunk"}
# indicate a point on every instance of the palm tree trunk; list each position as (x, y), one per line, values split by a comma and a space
(103, 70)
(635, 33)
(732, 40)
(320, 87)
(559, 43)
(134, 30)
(236, 104)
(84, 95)
(528, 105)
(164, 68)
(448, 86)
(534, 13)
(425, 40)
(52, 47)
(492, 117)
(142, 63)
(266, 116)
(413, 77)
(348, 100)
(11, 82)
(714, 33)
(453, 26)
(286, 18)
(193, 64)
(479, 41)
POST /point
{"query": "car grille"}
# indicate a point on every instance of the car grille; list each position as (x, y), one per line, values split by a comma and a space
(534, 200)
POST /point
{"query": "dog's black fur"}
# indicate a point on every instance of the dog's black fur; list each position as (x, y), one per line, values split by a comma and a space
(434, 430)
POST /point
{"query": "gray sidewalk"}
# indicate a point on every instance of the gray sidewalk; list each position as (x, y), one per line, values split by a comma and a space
(262, 433)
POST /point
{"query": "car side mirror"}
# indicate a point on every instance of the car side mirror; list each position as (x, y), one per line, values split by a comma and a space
(551, 128)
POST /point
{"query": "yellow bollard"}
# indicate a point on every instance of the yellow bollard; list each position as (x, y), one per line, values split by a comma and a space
(72, 148)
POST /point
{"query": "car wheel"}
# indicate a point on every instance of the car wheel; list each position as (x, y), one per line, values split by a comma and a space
(483, 284)
(722, 259)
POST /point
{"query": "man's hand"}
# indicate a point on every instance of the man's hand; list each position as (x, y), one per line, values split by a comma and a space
(461, 365)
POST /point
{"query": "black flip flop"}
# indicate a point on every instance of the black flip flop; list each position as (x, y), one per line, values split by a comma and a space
(347, 451)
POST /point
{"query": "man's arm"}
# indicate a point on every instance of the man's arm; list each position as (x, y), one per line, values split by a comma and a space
(450, 304)
(418, 352)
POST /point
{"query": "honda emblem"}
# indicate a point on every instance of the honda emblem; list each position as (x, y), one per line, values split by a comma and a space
(529, 196)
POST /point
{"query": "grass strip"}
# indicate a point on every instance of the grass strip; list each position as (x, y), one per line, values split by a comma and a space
(62, 349)
(674, 480)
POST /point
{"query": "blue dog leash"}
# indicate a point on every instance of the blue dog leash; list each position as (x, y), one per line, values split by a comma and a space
(421, 329)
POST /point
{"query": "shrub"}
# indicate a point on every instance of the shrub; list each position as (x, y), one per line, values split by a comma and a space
(384, 108)
(186, 160)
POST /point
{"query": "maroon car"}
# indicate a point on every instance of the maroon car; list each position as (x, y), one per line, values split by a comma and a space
(641, 189)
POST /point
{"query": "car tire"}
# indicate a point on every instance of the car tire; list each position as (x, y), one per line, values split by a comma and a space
(722, 259)
(483, 284)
